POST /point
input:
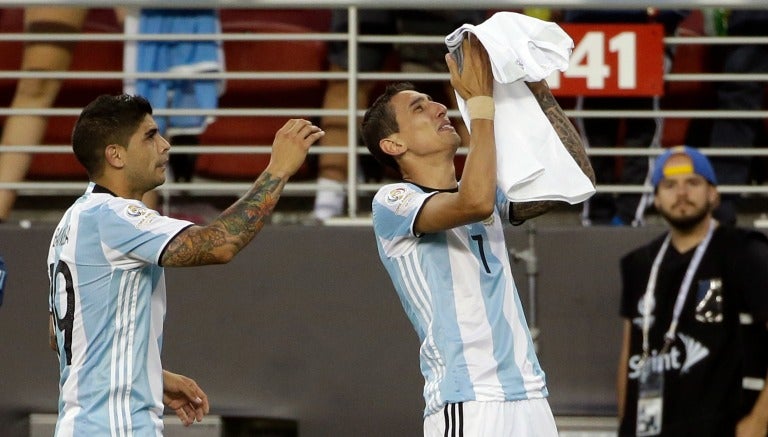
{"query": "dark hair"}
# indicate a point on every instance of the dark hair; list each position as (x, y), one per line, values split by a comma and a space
(106, 120)
(380, 122)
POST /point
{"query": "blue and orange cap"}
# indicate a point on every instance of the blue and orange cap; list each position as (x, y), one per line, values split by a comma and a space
(701, 165)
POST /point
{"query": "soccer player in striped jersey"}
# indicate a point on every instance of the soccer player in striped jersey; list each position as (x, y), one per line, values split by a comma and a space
(105, 263)
(442, 243)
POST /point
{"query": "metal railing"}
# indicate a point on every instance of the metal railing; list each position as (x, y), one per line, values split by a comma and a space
(354, 188)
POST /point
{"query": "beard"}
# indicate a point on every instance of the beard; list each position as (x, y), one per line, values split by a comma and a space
(689, 222)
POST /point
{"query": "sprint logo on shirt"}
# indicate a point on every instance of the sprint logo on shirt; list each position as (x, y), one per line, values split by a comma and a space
(694, 353)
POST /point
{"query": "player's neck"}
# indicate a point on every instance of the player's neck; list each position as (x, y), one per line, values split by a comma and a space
(119, 188)
(431, 174)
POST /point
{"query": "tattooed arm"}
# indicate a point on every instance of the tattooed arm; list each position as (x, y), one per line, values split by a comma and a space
(563, 126)
(571, 140)
(230, 232)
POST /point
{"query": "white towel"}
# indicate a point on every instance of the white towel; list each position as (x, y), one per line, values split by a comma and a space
(532, 163)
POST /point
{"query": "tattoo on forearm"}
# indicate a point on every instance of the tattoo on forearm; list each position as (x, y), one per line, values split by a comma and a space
(564, 128)
(231, 230)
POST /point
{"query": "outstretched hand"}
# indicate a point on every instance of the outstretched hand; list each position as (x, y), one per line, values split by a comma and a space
(184, 397)
(291, 145)
(476, 77)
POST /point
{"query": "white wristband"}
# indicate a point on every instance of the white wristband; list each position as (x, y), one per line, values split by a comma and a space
(481, 107)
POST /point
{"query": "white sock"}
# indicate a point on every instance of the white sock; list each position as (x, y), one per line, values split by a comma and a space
(329, 201)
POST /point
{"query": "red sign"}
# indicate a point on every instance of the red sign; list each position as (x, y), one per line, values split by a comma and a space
(613, 60)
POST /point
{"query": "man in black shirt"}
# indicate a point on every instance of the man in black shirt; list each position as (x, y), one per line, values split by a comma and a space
(695, 302)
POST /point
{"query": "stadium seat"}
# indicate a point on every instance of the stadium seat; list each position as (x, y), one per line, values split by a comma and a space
(11, 21)
(261, 56)
(316, 20)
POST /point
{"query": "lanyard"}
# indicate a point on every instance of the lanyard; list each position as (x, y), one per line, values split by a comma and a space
(682, 293)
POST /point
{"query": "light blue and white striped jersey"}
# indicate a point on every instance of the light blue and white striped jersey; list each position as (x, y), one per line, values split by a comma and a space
(107, 298)
(457, 289)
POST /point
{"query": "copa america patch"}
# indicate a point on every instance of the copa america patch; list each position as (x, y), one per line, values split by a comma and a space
(395, 195)
(134, 211)
(140, 216)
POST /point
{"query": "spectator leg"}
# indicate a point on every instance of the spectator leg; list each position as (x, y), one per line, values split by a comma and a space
(35, 93)
(332, 167)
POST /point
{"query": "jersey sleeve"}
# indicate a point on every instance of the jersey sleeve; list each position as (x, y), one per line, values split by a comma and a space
(395, 209)
(131, 232)
(504, 206)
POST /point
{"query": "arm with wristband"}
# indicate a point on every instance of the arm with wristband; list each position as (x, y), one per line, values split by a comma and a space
(474, 83)
(476, 195)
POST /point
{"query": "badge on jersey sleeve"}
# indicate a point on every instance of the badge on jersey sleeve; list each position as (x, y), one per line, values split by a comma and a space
(395, 195)
(399, 199)
(139, 215)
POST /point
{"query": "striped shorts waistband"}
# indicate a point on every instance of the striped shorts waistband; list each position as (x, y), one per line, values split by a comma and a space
(454, 420)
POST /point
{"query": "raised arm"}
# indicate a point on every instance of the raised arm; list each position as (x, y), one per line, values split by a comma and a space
(570, 139)
(225, 236)
(475, 198)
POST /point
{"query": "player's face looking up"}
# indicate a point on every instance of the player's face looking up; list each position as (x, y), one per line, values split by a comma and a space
(423, 123)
